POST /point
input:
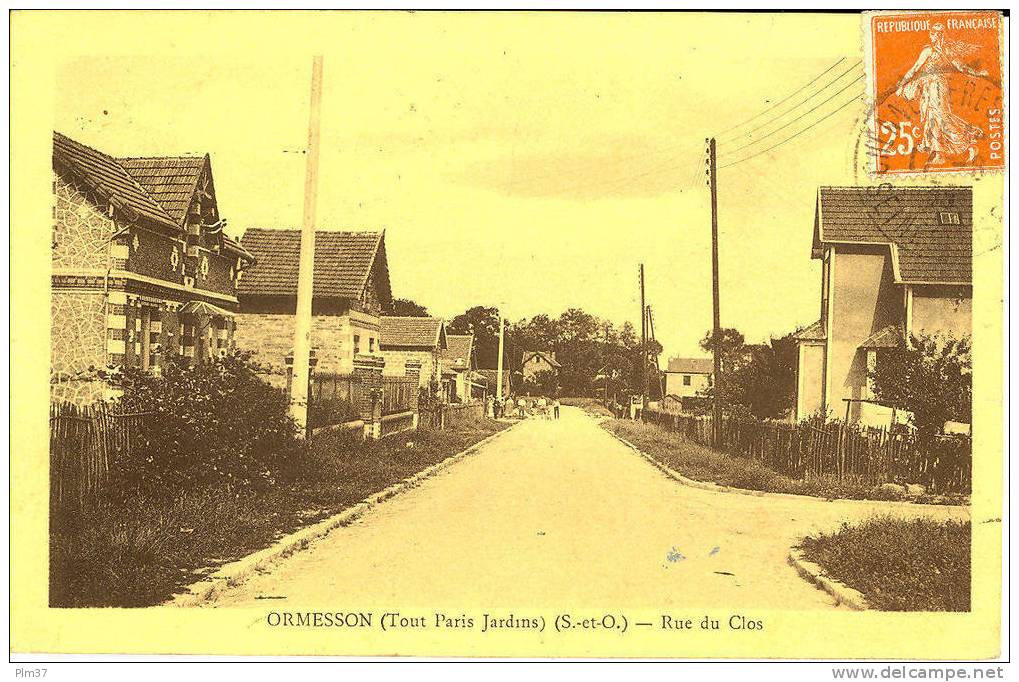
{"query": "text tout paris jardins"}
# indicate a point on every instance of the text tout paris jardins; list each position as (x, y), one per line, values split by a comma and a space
(395, 620)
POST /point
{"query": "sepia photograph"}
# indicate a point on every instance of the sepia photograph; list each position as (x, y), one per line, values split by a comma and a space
(509, 334)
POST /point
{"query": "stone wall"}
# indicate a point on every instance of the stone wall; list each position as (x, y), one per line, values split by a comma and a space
(81, 231)
(397, 359)
(271, 337)
(77, 346)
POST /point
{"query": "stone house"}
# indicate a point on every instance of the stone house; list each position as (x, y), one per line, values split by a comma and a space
(687, 377)
(535, 361)
(141, 268)
(409, 340)
(895, 261)
(351, 291)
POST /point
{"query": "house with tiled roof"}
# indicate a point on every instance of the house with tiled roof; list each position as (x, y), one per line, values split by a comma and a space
(141, 269)
(350, 292)
(687, 377)
(533, 362)
(459, 375)
(414, 341)
(894, 261)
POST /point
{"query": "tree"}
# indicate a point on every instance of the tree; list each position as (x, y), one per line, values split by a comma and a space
(404, 307)
(759, 380)
(544, 382)
(483, 323)
(931, 376)
(730, 344)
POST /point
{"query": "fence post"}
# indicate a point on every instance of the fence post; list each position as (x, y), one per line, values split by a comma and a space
(412, 369)
(368, 368)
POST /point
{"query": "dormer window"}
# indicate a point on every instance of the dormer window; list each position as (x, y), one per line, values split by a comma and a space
(949, 218)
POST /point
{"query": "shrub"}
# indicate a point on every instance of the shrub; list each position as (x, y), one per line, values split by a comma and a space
(899, 564)
(214, 424)
(328, 411)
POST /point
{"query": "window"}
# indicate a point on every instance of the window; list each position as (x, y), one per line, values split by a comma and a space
(357, 344)
(949, 218)
(371, 344)
(686, 379)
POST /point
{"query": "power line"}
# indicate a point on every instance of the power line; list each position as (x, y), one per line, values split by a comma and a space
(786, 99)
(806, 100)
(796, 134)
(786, 125)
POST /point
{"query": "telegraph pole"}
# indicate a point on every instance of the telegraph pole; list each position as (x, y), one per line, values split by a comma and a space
(302, 327)
(716, 412)
(643, 340)
(498, 376)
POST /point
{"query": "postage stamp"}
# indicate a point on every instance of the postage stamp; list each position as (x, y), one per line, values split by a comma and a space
(935, 82)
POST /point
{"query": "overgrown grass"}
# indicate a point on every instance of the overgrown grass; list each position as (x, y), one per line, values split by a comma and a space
(140, 551)
(899, 565)
(706, 464)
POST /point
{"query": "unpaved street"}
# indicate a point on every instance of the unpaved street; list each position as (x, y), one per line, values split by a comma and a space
(559, 512)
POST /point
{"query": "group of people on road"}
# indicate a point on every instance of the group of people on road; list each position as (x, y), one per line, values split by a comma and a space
(524, 406)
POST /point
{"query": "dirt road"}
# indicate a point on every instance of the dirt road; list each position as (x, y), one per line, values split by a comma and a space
(559, 512)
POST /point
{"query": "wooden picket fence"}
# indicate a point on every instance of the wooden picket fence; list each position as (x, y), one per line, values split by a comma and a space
(398, 394)
(84, 442)
(836, 451)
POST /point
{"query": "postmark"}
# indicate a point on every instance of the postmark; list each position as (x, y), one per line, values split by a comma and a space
(936, 92)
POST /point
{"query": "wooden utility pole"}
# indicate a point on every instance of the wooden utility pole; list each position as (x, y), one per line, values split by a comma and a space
(643, 340)
(305, 280)
(498, 364)
(716, 329)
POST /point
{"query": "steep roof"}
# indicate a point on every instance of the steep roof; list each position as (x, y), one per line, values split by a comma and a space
(107, 177)
(886, 337)
(813, 332)
(416, 332)
(458, 350)
(343, 263)
(929, 229)
(548, 356)
(170, 180)
(691, 365)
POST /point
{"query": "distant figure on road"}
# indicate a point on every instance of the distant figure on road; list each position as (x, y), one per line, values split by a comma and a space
(521, 406)
(543, 408)
(555, 407)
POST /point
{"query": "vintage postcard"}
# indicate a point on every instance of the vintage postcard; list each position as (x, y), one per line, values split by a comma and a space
(508, 334)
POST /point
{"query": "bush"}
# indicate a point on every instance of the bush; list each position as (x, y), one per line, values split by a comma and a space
(329, 411)
(213, 424)
(899, 564)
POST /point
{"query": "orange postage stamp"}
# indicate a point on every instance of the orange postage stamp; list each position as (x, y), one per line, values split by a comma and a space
(936, 88)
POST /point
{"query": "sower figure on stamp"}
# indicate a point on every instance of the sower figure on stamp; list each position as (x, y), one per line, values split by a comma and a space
(944, 132)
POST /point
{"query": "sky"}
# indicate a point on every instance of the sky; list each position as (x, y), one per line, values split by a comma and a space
(529, 161)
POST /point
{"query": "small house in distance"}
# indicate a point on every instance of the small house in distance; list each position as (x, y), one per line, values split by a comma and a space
(534, 362)
(895, 261)
(351, 291)
(458, 367)
(687, 377)
(411, 340)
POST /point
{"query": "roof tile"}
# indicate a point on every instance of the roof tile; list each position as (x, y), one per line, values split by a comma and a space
(929, 250)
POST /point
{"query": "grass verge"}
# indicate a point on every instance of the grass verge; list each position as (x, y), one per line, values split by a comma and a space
(702, 463)
(142, 550)
(897, 564)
